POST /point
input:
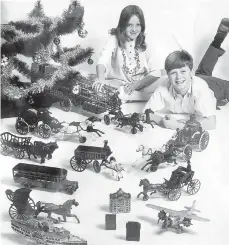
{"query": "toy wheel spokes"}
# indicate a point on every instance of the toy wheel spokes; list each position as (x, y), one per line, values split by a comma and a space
(44, 130)
(193, 186)
(204, 140)
(15, 214)
(134, 130)
(82, 139)
(66, 105)
(96, 166)
(174, 194)
(78, 165)
(5, 150)
(187, 152)
(19, 153)
(107, 119)
(22, 127)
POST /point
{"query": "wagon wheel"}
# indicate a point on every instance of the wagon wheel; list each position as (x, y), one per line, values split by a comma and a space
(187, 152)
(193, 186)
(16, 214)
(134, 130)
(9, 194)
(19, 153)
(169, 144)
(82, 139)
(5, 150)
(30, 209)
(66, 104)
(22, 127)
(204, 140)
(174, 194)
(78, 164)
(107, 119)
(44, 130)
(96, 166)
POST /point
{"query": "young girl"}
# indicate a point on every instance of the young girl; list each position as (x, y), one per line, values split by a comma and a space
(124, 62)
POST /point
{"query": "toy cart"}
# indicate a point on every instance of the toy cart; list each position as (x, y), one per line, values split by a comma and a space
(86, 154)
(192, 134)
(23, 206)
(172, 187)
(18, 145)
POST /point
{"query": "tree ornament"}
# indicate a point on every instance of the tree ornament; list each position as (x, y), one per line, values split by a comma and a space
(4, 61)
(56, 40)
(90, 61)
(82, 33)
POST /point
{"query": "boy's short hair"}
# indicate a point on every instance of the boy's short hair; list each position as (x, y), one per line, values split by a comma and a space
(178, 59)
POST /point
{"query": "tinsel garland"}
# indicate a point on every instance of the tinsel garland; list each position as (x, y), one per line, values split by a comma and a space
(26, 26)
(22, 67)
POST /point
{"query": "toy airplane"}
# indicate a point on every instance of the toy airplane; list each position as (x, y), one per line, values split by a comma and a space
(175, 219)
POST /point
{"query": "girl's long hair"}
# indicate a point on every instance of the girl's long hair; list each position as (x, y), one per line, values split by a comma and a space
(125, 16)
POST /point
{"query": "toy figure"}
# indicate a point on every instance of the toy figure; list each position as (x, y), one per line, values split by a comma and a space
(116, 168)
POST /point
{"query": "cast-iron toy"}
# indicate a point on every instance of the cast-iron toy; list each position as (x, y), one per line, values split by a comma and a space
(84, 155)
(22, 145)
(172, 188)
(169, 155)
(30, 175)
(23, 206)
(80, 92)
(134, 120)
(45, 233)
(192, 134)
(177, 219)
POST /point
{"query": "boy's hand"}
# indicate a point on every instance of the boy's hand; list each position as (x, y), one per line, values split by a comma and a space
(171, 122)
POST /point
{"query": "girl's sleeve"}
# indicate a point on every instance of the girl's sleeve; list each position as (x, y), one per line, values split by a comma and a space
(106, 54)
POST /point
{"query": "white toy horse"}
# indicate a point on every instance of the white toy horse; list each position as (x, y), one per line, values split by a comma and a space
(117, 168)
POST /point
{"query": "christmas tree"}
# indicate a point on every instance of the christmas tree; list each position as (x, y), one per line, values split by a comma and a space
(37, 37)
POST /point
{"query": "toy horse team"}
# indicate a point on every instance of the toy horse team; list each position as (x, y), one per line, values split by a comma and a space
(125, 64)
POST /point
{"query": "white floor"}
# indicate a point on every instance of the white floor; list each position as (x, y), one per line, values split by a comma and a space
(211, 168)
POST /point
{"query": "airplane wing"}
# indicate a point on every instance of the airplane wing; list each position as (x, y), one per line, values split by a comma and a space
(170, 211)
(195, 217)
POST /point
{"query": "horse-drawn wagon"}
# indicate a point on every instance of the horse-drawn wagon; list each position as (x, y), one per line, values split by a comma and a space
(23, 145)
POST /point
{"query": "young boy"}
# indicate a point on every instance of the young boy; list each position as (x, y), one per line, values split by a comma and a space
(181, 92)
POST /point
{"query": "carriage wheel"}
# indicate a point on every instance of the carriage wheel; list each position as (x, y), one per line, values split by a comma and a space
(82, 139)
(78, 165)
(174, 194)
(168, 144)
(187, 152)
(19, 153)
(16, 214)
(107, 119)
(66, 105)
(153, 168)
(204, 140)
(44, 130)
(133, 130)
(145, 198)
(140, 127)
(5, 150)
(193, 186)
(96, 166)
(9, 194)
(22, 127)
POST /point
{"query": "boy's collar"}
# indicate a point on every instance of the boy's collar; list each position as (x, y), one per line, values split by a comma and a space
(176, 95)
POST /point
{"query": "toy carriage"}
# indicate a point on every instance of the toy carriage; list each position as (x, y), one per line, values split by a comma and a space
(23, 145)
(84, 155)
(22, 207)
(192, 134)
(172, 187)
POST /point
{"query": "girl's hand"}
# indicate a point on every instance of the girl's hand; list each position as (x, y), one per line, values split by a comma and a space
(128, 88)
